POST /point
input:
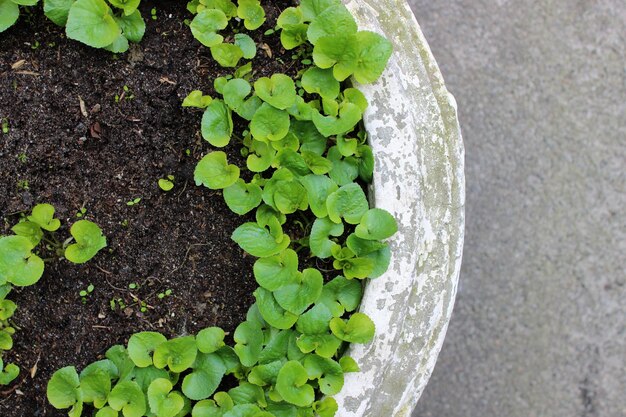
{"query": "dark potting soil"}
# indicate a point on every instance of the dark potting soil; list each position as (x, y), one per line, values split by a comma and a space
(88, 129)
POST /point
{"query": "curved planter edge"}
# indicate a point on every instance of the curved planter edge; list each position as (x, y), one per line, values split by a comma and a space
(419, 177)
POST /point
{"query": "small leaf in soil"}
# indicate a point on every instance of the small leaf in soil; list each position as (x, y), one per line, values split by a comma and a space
(89, 241)
(214, 172)
(18, 265)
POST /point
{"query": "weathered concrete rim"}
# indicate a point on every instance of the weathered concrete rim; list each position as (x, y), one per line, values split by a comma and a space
(419, 177)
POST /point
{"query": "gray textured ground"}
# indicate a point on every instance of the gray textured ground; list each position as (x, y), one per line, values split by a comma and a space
(540, 323)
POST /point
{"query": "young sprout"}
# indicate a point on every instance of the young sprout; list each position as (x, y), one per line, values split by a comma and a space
(5, 126)
(133, 202)
(84, 294)
(166, 184)
(81, 212)
(164, 294)
(153, 13)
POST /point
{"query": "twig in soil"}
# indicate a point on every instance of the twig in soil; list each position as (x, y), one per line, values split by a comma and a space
(186, 255)
(104, 270)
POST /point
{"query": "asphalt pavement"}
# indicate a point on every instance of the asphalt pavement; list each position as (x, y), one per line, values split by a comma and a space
(539, 328)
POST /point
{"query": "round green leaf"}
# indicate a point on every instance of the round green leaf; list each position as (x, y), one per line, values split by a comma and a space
(210, 339)
(18, 265)
(272, 312)
(252, 13)
(374, 53)
(248, 394)
(177, 354)
(206, 24)
(162, 401)
(144, 376)
(324, 344)
(326, 407)
(214, 172)
(258, 241)
(129, 6)
(207, 374)
(318, 188)
(7, 308)
(197, 99)
(349, 115)
(6, 340)
(30, 230)
(319, 241)
(89, 241)
(376, 224)
(55, 10)
(289, 196)
(328, 373)
(320, 81)
(235, 91)
(63, 389)
(249, 339)
(276, 271)
(348, 202)
(128, 398)
(297, 297)
(276, 348)
(241, 197)
(227, 54)
(217, 124)
(263, 375)
(91, 22)
(95, 382)
(348, 364)
(293, 36)
(339, 53)
(292, 385)
(9, 13)
(107, 412)
(345, 170)
(341, 295)
(335, 20)
(43, 215)
(269, 124)
(247, 45)
(141, 345)
(358, 329)
(360, 268)
(278, 91)
(315, 320)
(312, 8)
(133, 26)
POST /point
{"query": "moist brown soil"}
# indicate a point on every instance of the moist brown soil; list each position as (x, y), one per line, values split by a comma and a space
(112, 151)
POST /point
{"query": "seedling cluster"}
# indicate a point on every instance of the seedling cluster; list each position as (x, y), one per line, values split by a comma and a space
(100, 24)
(306, 163)
(21, 265)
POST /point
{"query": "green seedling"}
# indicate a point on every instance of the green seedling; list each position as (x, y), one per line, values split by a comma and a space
(115, 27)
(89, 241)
(166, 184)
(84, 294)
(153, 13)
(23, 185)
(4, 123)
(22, 157)
(164, 294)
(133, 286)
(81, 212)
(133, 202)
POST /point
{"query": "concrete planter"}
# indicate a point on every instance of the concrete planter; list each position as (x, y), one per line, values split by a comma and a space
(419, 178)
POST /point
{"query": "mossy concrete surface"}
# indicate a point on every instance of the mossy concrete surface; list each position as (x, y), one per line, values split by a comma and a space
(539, 327)
(415, 136)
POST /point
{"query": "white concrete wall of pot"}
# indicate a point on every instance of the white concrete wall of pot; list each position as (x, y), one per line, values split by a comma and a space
(414, 131)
